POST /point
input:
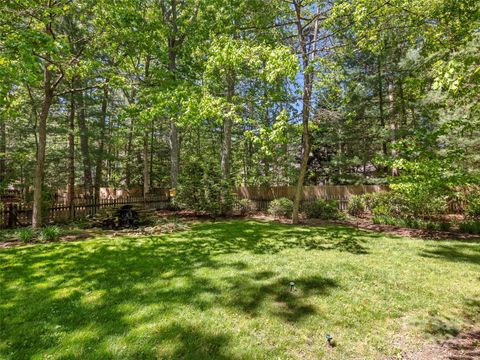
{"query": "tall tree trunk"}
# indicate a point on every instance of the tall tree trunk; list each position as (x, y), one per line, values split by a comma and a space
(146, 156)
(380, 104)
(174, 155)
(128, 168)
(3, 147)
(109, 151)
(101, 144)
(146, 166)
(41, 148)
(393, 125)
(152, 133)
(226, 150)
(71, 152)
(306, 98)
(172, 67)
(84, 145)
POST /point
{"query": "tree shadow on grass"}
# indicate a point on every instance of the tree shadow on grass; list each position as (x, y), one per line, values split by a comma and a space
(469, 253)
(194, 344)
(79, 294)
(268, 238)
(276, 296)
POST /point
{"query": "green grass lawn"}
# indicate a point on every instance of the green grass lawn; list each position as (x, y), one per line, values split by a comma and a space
(221, 291)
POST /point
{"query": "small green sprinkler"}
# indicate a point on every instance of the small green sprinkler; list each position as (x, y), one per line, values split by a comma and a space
(329, 339)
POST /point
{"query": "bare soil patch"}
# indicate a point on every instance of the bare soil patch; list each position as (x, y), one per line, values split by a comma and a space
(464, 346)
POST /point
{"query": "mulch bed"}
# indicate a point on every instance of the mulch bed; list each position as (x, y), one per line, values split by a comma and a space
(418, 233)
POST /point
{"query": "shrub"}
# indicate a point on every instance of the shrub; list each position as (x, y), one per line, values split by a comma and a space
(323, 209)
(26, 234)
(470, 226)
(372, 200)
(411, 223)
(281, 207)
(472, 210)
(444, 226)
(246, 206)
(356, 205)
(384, 219)
(49, 233)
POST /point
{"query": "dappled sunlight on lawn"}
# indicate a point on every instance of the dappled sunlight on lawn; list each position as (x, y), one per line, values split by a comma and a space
(222, 291)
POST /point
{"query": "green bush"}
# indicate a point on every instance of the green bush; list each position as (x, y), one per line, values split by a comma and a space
(411, 223)
(281, 207)
(472, 210)
(245, 206)
(444, 226)
(372, 200)
(323, 209)
(356, 205)
(49, 233)
(470, 226)
(25, 234)
(384, 219)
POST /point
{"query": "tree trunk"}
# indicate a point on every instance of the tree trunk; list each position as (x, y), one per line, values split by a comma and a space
(393, 125)
(380, 104)
(71, 152)
(101, 144)
(146, 166)
(172, 67)
(41, 149)
(226, 150)
(174, 155)
(307, 94)
(84, 145)
(3, 147)
(128, 169)
(152, 136)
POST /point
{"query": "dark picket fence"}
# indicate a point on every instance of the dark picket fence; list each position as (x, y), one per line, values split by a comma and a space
(19, 214)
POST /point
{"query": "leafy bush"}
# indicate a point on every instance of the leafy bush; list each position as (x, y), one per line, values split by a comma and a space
(281, 207)
(323, 209)
(356, 205)
(49, 233)
(444, 226)
(411, 223)
(25, 234)
(470, 226)
(472, 210)
(246, 206)
(384, 219)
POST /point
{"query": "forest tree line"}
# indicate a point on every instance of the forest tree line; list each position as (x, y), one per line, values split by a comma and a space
(204, 95)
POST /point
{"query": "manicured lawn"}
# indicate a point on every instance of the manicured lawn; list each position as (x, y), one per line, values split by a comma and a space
(221, 291)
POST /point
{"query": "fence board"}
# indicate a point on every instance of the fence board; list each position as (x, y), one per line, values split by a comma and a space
(309, 192)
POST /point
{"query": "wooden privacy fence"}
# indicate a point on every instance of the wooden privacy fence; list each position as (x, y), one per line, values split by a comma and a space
(14, 215)
(262, 196)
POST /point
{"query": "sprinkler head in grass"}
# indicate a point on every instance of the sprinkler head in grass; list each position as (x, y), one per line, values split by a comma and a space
(329, 339)
(292, 286)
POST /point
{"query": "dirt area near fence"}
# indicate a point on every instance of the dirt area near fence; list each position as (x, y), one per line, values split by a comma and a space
(367, 224)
